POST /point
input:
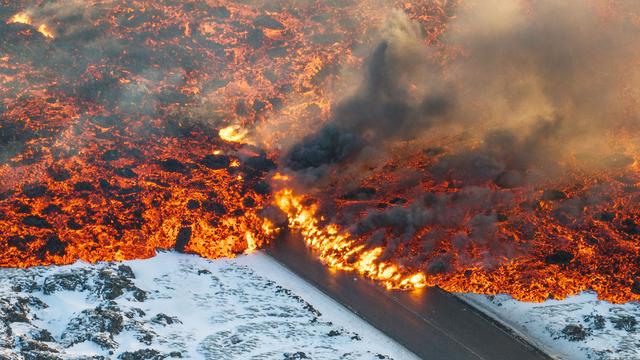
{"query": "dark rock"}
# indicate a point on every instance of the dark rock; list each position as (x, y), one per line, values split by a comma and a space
(70, 281)
(74, 225)
(26, 285)
(259, 164)
(248, 202)
(398, 200)
(164, 319)
(630, 227)
(214, 207)
(142, 354)
(574, 332)
(173, 165)
(20, 242)
(126, 172)
(625, 322)
(553, 195)
(36, 191)
(83, 186)
(52, 209)
(184, 235)
(110, 155)
(559, 257)
(362, 193)
(262, 188)
(294, 356)
(607, 216)
(268, 22)
(53, 246)
(193, 204)
(598, 321)
(635, 287)
(22, 208)
(139, 295)
(36, 221)
(98, 325)
(216, 162)
(59, 174)
(43, 335)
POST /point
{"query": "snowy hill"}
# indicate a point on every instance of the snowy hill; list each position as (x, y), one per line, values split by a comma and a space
(178, 306)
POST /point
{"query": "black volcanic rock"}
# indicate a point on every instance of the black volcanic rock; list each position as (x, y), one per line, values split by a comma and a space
(260, 164)
(35, 191)
(214, 207)
(98, 325)
(142, 354)
(268, 22)
(36, 221)
(110, 155)
(59, 174)
(574, 332)
(68, 281)
(83, 186)
(126, 172)
(173, 165)
(53, 246)
(184, 235)
(630, 226)
(361, 193)
(559, 257)
(262, 188)
(216, 162)
(193, 204)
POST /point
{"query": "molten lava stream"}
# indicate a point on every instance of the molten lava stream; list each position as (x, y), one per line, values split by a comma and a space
(336, 248)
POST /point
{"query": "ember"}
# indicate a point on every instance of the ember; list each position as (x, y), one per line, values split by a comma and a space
(476, 147)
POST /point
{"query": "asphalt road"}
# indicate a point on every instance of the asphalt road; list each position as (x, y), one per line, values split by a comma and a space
(431, 323)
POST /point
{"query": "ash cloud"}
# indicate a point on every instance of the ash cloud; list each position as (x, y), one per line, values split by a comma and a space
(531, 84)
(524, 89)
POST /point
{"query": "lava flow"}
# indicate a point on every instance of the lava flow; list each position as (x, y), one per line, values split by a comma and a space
(461, 144)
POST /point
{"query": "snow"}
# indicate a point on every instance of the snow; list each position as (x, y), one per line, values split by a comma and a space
(250, 307)
(579, 327)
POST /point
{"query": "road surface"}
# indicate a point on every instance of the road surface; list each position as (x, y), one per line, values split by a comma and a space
(430, 322)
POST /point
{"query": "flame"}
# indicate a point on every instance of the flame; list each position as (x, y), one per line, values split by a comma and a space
(44, 30)
(337, 249)
(24, 18)
(21, 18)
(233, 133)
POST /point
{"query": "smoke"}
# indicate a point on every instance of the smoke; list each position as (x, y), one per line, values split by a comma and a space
(530, 85)
(517, 94)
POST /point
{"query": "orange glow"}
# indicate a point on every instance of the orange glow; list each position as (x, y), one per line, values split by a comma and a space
(233, 133)
(20, 18)
(338, 250)
(121, 154)
(24, 18)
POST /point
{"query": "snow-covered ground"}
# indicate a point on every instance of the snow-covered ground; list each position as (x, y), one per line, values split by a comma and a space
(176, 305)
(579, 327)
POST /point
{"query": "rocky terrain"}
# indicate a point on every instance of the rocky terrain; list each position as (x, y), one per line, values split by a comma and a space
(177, 306)
(579, 327)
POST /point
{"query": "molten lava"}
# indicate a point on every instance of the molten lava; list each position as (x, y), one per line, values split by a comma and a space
(134, 125)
